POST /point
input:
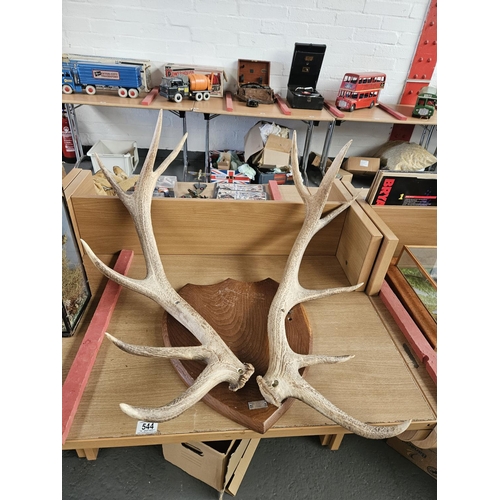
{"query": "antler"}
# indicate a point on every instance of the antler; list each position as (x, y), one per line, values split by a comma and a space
(222, 364)
(282, 379)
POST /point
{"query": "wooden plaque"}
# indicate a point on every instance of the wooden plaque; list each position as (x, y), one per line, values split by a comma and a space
(238, 312)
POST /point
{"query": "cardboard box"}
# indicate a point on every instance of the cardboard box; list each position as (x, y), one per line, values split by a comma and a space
(182, 70)
(220, 464)
(121, 154)
(275, 151)
(315, 161)
(361, 165)
(424, 459)
(345, 175)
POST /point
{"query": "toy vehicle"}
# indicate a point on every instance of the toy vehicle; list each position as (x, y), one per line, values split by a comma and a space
(359, 90)
(88, 74)
(426, 103)
(197, 87)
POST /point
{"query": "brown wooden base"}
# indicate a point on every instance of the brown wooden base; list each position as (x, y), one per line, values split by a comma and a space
(238, 312)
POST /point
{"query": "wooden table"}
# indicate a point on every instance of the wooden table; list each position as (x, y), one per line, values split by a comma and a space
(380, 385)
(377, 386)
(230, 106)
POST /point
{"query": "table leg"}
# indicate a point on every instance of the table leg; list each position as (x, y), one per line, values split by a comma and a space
(185, 147)
(88, 453)
(333, 441)
(326, 146)
(207, 117)
(75, 134)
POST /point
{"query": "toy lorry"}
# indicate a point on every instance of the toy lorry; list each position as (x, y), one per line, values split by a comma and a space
(198, 87)
(88, 74)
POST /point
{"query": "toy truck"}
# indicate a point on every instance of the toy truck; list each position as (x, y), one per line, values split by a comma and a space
(198, 87)
(88, 74)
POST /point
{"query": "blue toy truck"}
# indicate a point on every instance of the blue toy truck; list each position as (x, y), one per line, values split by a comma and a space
(88, 74)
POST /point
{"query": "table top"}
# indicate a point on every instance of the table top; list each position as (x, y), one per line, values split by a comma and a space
(217, 106)
(105, 98)
(262, 111)
(376, 386)
(378, 115)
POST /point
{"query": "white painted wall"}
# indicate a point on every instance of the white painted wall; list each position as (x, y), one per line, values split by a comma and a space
(360, 35)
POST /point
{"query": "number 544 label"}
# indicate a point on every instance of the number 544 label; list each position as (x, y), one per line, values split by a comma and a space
(146, 427)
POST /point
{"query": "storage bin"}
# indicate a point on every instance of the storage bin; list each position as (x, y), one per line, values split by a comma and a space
(121, 154)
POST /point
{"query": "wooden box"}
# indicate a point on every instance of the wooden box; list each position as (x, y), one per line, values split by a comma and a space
(403, 226)
(269, 229)
(378, 385)
(253, 81)
(400, 226)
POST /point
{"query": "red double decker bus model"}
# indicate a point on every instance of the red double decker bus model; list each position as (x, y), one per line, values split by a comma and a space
(360, 90)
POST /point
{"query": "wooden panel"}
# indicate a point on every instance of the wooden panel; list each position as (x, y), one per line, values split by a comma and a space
(80, 370)
(413, 304)
(378, 115)
(111, 99)
(77, 180)
(413, 334)
(411, 225)
(359, 243)
(198, 227)
(341, 324)
(417, 369)
(385, 253)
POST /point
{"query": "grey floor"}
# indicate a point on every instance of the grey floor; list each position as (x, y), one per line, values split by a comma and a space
(282, 468)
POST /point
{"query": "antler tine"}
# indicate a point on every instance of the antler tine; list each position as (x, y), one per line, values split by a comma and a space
(282, 379)
(222, 364)
(211, 376)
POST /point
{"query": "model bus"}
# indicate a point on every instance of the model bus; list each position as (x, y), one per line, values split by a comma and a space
(360, 90)
(426, 103)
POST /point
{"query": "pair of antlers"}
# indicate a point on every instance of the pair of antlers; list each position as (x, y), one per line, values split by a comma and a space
(282, 379)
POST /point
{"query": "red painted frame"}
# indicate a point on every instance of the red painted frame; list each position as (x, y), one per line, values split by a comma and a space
(82, 365)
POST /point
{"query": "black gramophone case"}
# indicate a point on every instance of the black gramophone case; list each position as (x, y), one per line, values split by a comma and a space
(304, 73)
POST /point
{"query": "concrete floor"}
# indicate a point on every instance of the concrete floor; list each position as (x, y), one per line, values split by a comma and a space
(282, 468)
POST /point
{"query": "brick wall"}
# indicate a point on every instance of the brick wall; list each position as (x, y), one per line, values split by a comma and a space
(360, 35)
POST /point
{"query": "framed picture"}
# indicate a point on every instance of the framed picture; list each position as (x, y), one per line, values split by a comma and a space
(75, 286)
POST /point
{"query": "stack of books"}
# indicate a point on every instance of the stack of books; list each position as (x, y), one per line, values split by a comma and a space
(403, 188)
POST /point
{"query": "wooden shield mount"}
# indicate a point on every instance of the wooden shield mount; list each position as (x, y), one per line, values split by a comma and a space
(238, 312)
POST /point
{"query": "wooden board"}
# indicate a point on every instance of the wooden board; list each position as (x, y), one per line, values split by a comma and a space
(413, 334)
(79, 373)
(376, 386)
(238, 312)
(411, 225)
(413, 304)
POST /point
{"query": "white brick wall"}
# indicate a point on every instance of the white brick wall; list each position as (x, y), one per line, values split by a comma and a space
(360, 35)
